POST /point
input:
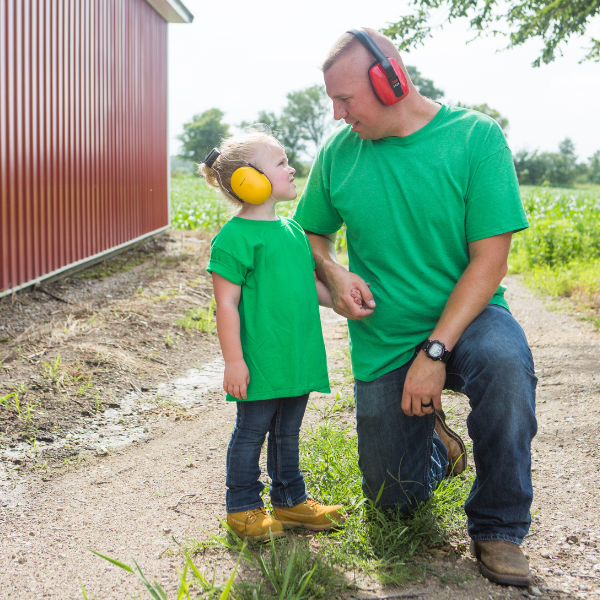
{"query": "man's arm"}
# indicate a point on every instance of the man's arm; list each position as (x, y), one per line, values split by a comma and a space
(471, 294)
(338, 280)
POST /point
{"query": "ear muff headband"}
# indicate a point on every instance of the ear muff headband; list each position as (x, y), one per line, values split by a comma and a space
(385, 75)
(248, 183)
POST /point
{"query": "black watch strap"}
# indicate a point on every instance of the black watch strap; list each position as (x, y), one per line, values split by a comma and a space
(426, 346)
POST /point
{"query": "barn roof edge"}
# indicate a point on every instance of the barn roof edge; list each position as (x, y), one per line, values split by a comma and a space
(172, 11)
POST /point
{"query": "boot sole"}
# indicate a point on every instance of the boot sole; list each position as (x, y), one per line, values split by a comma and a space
(258, 538)
(516, 580)
(325, 527)
(461, 463)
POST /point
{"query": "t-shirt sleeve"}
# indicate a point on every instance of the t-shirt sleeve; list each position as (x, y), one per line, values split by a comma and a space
(493, 200)
(315, 212)
(227, 266)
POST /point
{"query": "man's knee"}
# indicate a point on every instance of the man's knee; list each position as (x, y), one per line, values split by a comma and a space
(494, 348)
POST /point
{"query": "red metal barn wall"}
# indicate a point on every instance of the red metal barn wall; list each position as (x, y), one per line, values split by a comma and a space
(83, 131)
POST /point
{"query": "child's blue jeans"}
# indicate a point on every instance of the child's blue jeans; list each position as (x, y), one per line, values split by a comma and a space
(281, 418)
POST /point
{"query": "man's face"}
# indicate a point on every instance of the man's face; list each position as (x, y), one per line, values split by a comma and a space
(347, 84)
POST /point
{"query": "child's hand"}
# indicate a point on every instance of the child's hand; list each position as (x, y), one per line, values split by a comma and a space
(236, 379)
(358, 299)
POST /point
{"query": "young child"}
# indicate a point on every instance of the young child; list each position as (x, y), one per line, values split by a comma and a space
(268, 297)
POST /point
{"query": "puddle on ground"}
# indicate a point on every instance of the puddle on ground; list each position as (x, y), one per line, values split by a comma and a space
(114, 427)
(118, 426)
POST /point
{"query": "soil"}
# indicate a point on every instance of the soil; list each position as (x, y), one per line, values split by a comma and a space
(119, 439)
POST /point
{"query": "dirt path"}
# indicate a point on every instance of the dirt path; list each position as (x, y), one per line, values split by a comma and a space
(135, 500)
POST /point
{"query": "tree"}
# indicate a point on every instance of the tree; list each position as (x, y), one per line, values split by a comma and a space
(593, 170)
(309, 111)
(424, 86)
(202, 133)
(490, 112)
(549, 168)
(287, 132)
(553, 22)
(307, 117)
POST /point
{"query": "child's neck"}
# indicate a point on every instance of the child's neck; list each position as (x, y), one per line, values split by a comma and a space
(259, 212)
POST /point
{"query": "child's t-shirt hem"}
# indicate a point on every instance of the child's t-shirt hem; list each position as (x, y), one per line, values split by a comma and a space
(282, 394)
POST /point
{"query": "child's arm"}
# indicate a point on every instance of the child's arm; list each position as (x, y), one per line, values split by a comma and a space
(323, 293)
(237, 376)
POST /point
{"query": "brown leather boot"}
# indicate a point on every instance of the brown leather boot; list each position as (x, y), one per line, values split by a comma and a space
(457, 453)
(502, 562)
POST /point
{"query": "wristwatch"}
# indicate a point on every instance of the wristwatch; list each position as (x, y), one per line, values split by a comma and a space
(435, 350)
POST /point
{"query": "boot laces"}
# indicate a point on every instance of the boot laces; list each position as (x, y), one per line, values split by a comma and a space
(312, 503)
(255, 512)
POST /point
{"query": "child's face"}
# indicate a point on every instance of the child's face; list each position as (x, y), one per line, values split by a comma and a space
(273, 161)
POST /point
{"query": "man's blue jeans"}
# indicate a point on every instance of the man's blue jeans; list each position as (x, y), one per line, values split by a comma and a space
(281, 419)
(492, 365)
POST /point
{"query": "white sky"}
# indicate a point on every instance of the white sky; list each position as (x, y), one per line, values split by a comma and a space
(243, 57)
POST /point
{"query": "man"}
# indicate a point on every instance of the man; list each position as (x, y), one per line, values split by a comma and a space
(430, 200)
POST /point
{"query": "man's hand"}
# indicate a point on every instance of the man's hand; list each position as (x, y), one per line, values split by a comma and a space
(351, 295)
(423, 385)
(236, 379)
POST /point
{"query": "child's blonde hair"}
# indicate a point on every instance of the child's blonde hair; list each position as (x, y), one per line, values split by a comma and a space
(236, 151)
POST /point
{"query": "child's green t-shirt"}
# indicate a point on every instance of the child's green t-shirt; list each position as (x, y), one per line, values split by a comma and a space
(411, 206)
(280, 327)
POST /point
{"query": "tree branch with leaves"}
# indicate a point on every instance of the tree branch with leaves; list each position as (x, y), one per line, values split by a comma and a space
(553, 22)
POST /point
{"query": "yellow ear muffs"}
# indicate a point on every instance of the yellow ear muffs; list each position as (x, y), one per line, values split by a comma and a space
(250, 185)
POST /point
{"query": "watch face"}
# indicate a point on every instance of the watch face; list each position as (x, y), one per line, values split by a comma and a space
(436, 350)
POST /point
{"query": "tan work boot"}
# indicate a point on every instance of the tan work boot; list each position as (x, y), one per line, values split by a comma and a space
(254, 524)
(311, 515)
(457, 453)
(502, 562)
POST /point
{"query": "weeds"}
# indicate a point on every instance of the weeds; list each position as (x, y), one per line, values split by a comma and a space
(54, 372)
(28, 414)
(377, 541)
(84, 387)
(456, 578)
(288, 569)
(4, 400)
(199, 319)
(169, 339)
(208, 589)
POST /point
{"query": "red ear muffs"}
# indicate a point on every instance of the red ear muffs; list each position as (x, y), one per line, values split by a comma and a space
(384, 87)
(386, 76)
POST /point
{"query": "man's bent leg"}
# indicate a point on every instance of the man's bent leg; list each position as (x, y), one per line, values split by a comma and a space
(399, 453)
(494, 361)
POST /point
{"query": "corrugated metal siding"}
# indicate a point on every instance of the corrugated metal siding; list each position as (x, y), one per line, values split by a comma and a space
(83, 131)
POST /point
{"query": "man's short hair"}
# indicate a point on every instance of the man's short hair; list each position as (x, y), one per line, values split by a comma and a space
(348, 42)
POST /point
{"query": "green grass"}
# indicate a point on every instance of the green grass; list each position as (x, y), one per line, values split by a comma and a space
(199, 319)
(559, 254)
(384, 543)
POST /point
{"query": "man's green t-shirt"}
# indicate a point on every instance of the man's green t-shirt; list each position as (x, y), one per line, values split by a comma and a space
(280, 327)
(411, 205)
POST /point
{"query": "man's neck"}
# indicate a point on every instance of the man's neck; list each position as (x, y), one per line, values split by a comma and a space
(415, 115)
